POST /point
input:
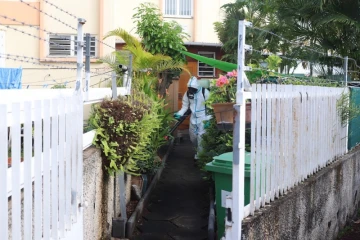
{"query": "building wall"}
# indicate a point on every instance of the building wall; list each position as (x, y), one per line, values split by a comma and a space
(200, 26)
(317, 209)
(99, 16)
(192, 65)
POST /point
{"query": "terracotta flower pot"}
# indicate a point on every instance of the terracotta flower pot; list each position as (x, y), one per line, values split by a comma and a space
(10, 160)
(225, 113)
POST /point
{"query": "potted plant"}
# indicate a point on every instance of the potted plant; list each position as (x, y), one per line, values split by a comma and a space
(222, 99)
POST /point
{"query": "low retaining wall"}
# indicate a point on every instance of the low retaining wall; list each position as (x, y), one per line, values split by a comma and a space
(101, 193)
(316, 209)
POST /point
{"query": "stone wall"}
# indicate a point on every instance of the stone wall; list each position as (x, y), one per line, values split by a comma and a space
(101, 193)
(316, 209)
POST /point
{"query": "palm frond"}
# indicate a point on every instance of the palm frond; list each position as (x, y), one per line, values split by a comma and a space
(126, 36)
(169, 65)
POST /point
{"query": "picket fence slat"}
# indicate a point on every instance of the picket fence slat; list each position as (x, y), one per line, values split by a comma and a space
(79, 150)
(54, 169)
(38, 167)
(46, 170)
(68, 144)
(28, 196)
(252, 166)
(15, 165)
(268, 142)
(61, 155)
(74, 163)
(3, 173)
(43, 134)
(258, 145)
(263, 143)
(279, 128)
(288, 123)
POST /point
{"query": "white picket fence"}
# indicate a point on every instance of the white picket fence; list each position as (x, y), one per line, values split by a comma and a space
(42, 132)
(295, 131)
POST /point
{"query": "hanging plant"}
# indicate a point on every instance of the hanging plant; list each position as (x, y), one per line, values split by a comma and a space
(123, 129)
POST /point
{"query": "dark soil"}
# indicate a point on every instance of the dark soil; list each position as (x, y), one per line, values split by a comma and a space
(131, 207)
(352, 230)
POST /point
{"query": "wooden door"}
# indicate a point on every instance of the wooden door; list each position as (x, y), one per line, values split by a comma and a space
(184, 78)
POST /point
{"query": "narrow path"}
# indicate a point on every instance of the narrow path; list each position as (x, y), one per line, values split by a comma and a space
(179, 205)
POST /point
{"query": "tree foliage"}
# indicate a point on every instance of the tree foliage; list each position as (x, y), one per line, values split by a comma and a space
(330, 27)
(144, 63)
(160, 37)
(157, 35)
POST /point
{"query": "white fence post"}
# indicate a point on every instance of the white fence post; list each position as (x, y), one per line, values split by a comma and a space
(38, 173)
(15, 165)
(3, 173)
(28, 191)
(236, 201)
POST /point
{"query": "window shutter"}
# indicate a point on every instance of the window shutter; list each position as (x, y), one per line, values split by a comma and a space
(62, 46)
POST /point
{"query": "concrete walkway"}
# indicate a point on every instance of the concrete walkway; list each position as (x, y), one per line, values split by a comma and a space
(179, 205)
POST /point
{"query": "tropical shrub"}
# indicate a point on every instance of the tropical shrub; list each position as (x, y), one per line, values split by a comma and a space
(123, 130)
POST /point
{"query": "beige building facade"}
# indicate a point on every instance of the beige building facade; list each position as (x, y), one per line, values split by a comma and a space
(197, 17)
(39, 36)
(52, 38)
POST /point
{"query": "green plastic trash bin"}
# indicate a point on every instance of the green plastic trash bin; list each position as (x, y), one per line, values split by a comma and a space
(221, 167)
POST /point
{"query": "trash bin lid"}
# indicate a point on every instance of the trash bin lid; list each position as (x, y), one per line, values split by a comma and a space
(223, 163)
(225, 160)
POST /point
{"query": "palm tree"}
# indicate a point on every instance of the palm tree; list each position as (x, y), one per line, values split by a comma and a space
(144, 64)
(330, 26)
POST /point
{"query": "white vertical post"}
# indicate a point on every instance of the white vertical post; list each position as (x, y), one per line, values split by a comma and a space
(3, 172)
(74, 160)
(113, 85)
(277, 143)
(68, 162)
(61, 157)
(346, 70)
(87, 66)
(80, 132)
(54, 169)
(46, 162)
(233, 227)
(15, 165)
(263, 144)
(38, 166)
(28, 197)
(253, 148)
(258, 145)
(80, 55)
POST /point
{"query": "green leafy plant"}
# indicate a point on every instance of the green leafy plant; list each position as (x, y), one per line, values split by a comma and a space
(214, 142)
(123, 130)
(160, 37)
(347, 110)
(144, 64)
(223, 89)
(273, 62)
(59, 86)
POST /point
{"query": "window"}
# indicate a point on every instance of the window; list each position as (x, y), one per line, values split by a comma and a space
(205, 70)
(65, 46)
(180, 8)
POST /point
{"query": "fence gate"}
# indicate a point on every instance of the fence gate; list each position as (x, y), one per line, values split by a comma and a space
(41, 165)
